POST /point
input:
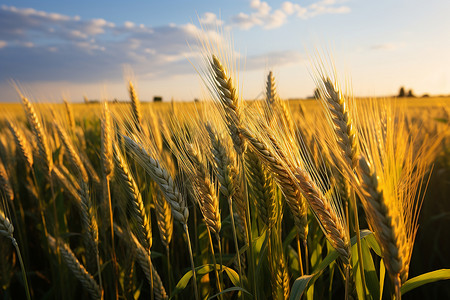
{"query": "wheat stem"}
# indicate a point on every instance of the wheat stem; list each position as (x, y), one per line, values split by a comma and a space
(191, 257)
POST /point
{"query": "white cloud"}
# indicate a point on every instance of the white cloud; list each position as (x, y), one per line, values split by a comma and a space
(129, 24)
(211, 19)
(263, 15)
(261, 7)
(273, 59)
(244, 21)
(56, 47)
(277, 19)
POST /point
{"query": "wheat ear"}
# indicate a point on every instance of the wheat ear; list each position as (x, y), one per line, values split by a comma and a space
(277, 105)
(78, 270)
(346, 137)
(22, 144)
(332, 223)
(5, 184)
(262, 189)
(70, 117)
(232, 108)
(389, 228)
(143, 231)
(135, 105)
(162, 177)
(204, 191)
(144, 261)
(7, 230)
(44, 150)
(106, 139)
(108, 165)
(342, 121)
(285, 181)
(164, 219)
(68, 185)
(228, 97)
(165, 182)
(138, 212)
(226, 173)
(74, 158)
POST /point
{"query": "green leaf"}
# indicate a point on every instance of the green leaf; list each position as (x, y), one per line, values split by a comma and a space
(373, 244)
(382, 276)
(373, 285)
(200, 271)
(233, 275)
(260, 241)
(301, 283)
(299, 286)
(187, 277)
(442, 274)
(231, 289)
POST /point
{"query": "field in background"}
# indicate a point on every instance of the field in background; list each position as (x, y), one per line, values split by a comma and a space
(432, 114)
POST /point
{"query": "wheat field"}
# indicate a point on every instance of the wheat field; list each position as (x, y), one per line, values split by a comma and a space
(331, 198)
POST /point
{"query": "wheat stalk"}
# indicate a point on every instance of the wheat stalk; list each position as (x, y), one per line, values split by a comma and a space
(87, 210)
(225, 170)
(165, 182)
(107, 164)
(338, 111)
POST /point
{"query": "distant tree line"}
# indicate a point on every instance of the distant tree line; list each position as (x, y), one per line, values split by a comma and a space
(402, 93)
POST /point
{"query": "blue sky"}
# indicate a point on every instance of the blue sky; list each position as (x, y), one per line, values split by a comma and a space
(60, 48)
